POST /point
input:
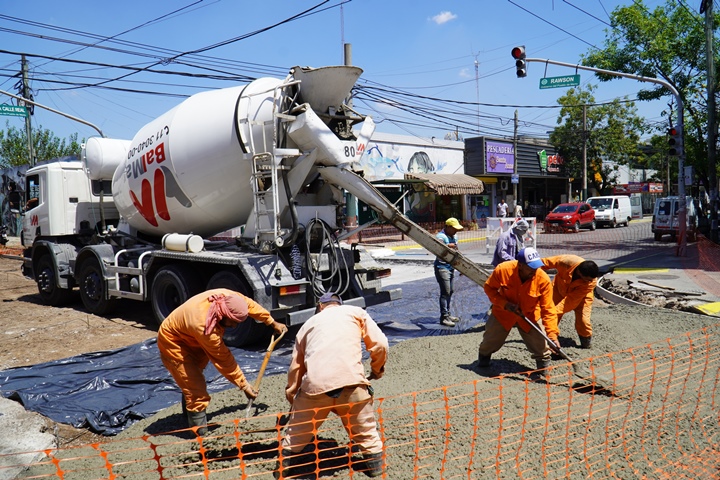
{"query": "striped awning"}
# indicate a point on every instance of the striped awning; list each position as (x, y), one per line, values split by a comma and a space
(449, 183)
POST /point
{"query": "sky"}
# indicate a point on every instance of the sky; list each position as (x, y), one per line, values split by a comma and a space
(117, 65)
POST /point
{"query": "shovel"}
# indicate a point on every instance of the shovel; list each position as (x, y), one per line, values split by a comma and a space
(580, 372)
(271, 347)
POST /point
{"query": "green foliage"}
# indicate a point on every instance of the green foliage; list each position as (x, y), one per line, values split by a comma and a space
(14, 151)
(667, 43)
(613, 133)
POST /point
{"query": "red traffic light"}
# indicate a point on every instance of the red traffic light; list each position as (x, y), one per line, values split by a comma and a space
(672, 131)
(518, 52)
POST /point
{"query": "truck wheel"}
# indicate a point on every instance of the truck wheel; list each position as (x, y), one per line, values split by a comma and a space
(173, 285)
(45, 277)
(249, 331)
(658, 237)
(93, 289)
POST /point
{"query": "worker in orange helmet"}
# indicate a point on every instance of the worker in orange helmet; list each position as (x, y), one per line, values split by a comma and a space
(192, 335)
(573, 288)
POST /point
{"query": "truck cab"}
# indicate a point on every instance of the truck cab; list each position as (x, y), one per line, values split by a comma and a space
(62, 201)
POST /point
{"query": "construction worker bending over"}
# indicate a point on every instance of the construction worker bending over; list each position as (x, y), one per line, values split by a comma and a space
(519, 287)
(326, 375)
(192, 335)
(573, 291)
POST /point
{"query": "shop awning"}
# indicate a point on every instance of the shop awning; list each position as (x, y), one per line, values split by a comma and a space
(449, 183)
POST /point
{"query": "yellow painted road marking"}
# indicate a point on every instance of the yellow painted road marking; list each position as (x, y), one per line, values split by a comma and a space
(641, 270)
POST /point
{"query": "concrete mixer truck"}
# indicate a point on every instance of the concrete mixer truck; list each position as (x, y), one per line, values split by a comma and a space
(267, 163)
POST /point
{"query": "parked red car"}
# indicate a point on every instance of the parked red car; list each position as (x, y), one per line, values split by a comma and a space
(570, 216)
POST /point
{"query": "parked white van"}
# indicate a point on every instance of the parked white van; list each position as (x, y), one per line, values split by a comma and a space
(612, 210)
(666, 219)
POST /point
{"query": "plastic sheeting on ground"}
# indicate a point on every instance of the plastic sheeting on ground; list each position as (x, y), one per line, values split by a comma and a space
(108, 391)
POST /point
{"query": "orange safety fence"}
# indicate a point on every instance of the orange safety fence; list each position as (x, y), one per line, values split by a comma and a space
(647, 412)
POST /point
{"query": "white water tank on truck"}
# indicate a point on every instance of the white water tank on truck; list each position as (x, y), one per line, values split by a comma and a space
(189, 171)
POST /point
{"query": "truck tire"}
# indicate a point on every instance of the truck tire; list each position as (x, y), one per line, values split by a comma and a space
(658, 237)
(93, 289)
(248, 332)
(172, 286)
(48, 289)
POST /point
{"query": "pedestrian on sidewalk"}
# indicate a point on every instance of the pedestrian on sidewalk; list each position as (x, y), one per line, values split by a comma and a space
(445, 273)
(519, 288)
(502, 209)
(518, 213)
(326, 374)
(192, 335)
(573, 291)
(510, 242)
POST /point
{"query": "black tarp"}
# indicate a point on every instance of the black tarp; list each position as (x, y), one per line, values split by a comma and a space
(108, 391)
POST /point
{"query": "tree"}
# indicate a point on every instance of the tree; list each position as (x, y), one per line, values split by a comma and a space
(14, 151)
(613, 132)
(667, 43)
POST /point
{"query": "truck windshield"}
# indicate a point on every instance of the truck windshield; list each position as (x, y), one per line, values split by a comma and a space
(600, 202)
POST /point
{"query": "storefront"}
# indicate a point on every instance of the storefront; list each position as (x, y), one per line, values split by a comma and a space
(533, 173)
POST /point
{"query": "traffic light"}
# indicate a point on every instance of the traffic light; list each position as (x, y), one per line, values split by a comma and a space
(674, 141)
(518, 54)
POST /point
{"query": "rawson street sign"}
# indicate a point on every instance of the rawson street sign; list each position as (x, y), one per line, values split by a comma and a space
(13, 110)
(557, 82)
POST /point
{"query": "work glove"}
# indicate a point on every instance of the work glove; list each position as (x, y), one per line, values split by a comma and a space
(250, 392)
(513, 307)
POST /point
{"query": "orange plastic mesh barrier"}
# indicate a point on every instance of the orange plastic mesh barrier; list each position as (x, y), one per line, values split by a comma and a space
(655, 414)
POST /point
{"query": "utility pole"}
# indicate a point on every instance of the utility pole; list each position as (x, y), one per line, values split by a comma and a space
(712, 122)
(584, 155)
(515, 158)
(351, 202)
(28, 126)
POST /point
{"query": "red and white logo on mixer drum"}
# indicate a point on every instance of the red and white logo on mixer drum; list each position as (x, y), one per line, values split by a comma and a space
(152, 203)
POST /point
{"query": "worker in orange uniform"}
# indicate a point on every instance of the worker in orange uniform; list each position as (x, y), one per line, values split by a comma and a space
(573, 291)
(326, 375)
(192, 335)
(519, 287)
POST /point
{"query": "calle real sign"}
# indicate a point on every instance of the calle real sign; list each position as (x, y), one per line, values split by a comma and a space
(13, 110)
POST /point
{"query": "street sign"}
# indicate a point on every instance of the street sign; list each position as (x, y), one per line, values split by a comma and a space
(13, 110)
(514, 178)
(557, 82)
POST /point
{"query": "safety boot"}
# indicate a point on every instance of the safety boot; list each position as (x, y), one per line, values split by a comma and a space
(373, 464)
(198, 419)
(542, 364)
(585, 342)
(483, 360)
(292, 463)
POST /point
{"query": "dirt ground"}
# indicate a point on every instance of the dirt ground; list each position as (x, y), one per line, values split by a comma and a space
(33, 333)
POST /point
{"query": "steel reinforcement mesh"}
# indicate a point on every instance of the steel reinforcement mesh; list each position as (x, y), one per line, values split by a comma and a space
(647, 412)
